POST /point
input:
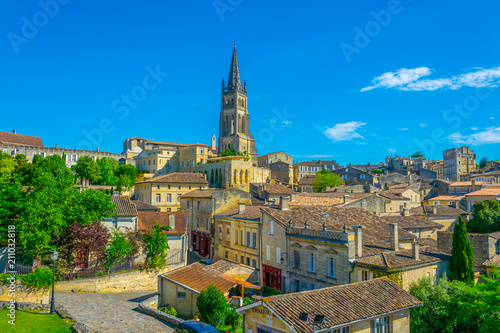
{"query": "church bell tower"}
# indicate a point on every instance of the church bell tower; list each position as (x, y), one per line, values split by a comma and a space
(234, 122)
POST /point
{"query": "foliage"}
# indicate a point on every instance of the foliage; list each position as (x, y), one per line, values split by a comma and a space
(325, 179)
(227, 152)
(11, 202)
(168, 311)
(7, 164)
(417, 154)
(107, 172)
(212, 306)
(50, 171)
(119, 248)
(79, 243)
(396, 277)
(38, 278)
(268, 291)
(233, 319)
(456, 306)
(28, 322)
(462, 256)
(486, 217)
(156, 245)
(126, 174)
(482, 162)
(87, 168)
(377, 171)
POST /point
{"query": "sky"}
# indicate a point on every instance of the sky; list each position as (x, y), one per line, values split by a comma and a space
(353, 81)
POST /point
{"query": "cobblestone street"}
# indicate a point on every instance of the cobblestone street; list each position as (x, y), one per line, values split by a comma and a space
(111, 312)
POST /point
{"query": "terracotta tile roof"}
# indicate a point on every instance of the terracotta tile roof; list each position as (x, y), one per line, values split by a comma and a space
(392, 194)
(148, 219)
(352, 196)
(492, 261)
(198, 277)
(278, 189)
(224, 265)
(448, 197)
(257, 201)
(141, 206)
(251, 212)
(428, 242)
(441, 210)
(20, 139)
(485, 191)
(306, 180)
(412, 222)
(341, 304)
(376, 231)
(495, 234)
(402, 258)
(307, 200)
(273, 154)
(123, 206)
(316, 163)
(468, 183)
(178, 177)
(203, 193)
(487, 173)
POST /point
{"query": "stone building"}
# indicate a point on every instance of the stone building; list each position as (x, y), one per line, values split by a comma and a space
(29, 146)
(165, 191)
(270, 192)
(458, 162)
(352, 174)
(234, 123)
(310, 168)
(126, 214)
(200, 207)
(282, 172)
(385, 308)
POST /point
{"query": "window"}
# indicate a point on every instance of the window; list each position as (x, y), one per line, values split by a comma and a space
(208, 205)
(73, 158)
(312, 263)
(364, 276)
(188, 219)
(158, 197)
(241, 233)
(278, 255)
(169, 209)
(248, 261)
(178, 198)
(344, 177)
(202, 151)
(169, 197)
(236, 237)
(331, 267)
(198, 204)
(248, 239)
(254, 263)
(296, 259)
(362, 177)
(181, 295)
(198, 222)
(158, 186)
(435, 274)
(207, 224)
(345, 329)
(188, 204)
(381, 325)
(254, 240)
(271, 227)
(228, 231)
(179, 187)
(268, 252)
(310, 286)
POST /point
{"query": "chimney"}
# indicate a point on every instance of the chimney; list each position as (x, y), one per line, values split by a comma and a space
(346, 198)
(473, 185)
(14, 131)
(415, 250)
(57, 146)
(358, 240)
(241, 207)
(284, 203)
(171, 221)
(406, 211)
(292, 196)
(394, 236)
(434, 210)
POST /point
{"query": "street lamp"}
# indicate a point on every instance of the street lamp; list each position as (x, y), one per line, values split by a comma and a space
(53, 255)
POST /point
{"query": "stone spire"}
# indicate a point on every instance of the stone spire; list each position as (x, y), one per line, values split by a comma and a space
(234, 81)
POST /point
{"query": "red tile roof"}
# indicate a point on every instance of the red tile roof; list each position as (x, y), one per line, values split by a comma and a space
(492, 261)
(148, 219)
(341, 305)
(485, 192)
(251, 212)
(142, 206)
(20, 139)
(123, 206)
(402, 258)
(412, 222)
(440, 211)
(178, 177)
(278, 189)
(203, 193)
(448, 197)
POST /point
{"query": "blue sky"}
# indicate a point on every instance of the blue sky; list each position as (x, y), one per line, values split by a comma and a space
(353, 81)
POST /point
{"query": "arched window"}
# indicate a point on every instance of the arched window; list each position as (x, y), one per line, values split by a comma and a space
(227, 101)
(232, 124)
(227, 125)
(235, 176)
(232, 101)
(246, 177)
(243, 124)
(241, 176)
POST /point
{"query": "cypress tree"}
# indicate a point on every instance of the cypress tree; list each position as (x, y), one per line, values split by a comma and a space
(462, 256)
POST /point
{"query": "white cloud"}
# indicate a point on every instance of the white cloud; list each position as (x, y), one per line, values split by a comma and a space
(474, 128)
(391, 150)
(492, 118)
(488, 136)
(423, 124)
(410, 79)
(286, 123)
(343, 132)
(403, 129)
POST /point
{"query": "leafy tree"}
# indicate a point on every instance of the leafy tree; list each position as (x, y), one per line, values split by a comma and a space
(87, 168)
(325, 178)
(11, 203)
(485, 217)
(417, 154)
(127, 175)
(21, 161)
(212, 305)
(462, 256)
(227, 152)
(81, 243)
(119, 248)
(50, 171)
(156, 245)
(107, 173)
(377, 171)
(482, 162)
(7, 164)
(113, 162)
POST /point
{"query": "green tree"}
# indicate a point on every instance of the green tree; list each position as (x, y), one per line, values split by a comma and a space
(462, 256)
(11, 204)
(7, 164)
(127, 175)
(156, 245)
(212, 305)
(87, 168)
(485, 217)
(325, 178)
(119, 249)
(107, 173)
(377, 171)
(227, 152)
(50, 171)
(417, 154)
(113, 162)
(482, 162)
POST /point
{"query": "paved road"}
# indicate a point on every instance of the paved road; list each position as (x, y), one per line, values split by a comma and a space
(111, 312)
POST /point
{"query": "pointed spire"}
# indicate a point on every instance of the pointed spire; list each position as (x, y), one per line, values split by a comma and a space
(234, 81)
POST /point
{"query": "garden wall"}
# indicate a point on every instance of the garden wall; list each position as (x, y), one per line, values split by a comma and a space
(135, 281)
(25, 294)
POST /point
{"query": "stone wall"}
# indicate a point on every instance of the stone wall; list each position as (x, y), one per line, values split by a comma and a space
(25, 294)
(483, 245)
(135, 281)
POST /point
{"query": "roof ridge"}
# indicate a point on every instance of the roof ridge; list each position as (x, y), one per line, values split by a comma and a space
(385, 260)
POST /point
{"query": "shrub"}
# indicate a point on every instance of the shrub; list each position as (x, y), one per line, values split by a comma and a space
(268, 291)
(41, 277)
(168, 311)
(212, 305)
(233, 319)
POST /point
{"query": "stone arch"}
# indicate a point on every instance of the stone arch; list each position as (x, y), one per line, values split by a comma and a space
(235, 180)
(227, 124)
(232, 124)
(242, 124)
(242, 176)
(221, 177)
(216, 176)
(246, 176)
(232, 101)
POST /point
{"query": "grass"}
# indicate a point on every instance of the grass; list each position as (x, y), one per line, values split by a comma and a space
(34, 322)
(227, 328)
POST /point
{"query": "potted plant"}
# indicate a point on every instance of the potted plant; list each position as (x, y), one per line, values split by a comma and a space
(196, 318)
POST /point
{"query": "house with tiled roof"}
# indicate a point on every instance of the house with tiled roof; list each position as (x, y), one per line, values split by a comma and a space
(270, 192)
(420, 227)
(310, 168)
(447, 216)
(144, 207)
(306, 183)
(180, 288)
(489, 193)
(379, 305)
(201, 206)
(165, 191)
(126, 214)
